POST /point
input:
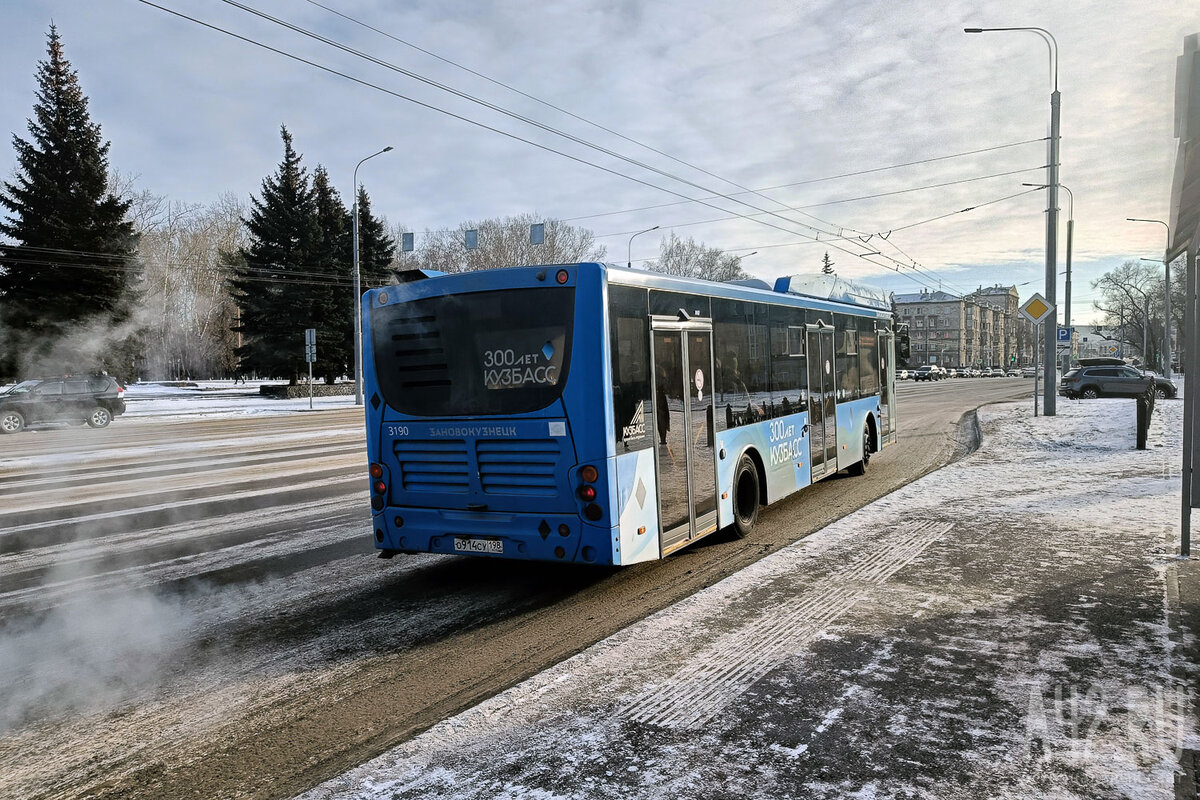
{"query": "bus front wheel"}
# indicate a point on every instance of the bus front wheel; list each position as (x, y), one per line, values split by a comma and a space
(745, 497)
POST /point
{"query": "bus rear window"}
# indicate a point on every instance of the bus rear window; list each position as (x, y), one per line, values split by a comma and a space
(503, 352)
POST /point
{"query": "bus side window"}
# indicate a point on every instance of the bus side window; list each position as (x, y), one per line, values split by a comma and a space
(789, 366)
(868, 358)
(846, 344)
(633, 413)
(740, 345)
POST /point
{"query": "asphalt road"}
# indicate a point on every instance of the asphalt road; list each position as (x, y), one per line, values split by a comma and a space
(220, 626)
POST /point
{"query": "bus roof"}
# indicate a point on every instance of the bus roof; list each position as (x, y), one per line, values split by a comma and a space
(794, 290)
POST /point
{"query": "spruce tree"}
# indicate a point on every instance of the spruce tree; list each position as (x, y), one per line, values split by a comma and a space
(827, 265)
(332, 313)
(272, 290)
(68, 275)
(376, 248)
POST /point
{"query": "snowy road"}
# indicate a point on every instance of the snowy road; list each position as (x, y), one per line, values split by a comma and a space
(221, 626)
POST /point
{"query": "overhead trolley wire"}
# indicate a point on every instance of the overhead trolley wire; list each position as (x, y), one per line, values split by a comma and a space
(529, 120)
(561, 110)
(823, 179)
(506, 134)
(685, 198)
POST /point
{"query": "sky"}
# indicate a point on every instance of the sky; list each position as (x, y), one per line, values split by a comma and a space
(710, 99)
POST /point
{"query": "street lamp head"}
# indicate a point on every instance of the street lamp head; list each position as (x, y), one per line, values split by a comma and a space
(387, 149)
(972, 30)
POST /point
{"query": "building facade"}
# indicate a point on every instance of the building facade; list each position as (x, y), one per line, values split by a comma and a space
(982, 329)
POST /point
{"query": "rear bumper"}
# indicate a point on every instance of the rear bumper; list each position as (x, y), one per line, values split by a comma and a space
(534, 537)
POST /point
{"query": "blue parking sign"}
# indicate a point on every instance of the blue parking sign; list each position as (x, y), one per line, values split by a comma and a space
(1064, 335)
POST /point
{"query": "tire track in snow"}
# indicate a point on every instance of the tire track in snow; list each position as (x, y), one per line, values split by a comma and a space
(725, 670)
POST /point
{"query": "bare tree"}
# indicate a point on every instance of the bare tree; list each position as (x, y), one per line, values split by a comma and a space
(187, 308)
(1132, 303)
(505, 243)
(692, 259)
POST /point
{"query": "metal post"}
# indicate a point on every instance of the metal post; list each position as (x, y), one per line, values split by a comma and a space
(1067, 298)
(1145, 332)
(1036, 350)
(1166, 365)
(1050, 326)
(1190, 401)
(358, 395)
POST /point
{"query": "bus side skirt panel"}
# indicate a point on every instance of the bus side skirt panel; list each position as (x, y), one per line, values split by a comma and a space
(635, 537)
(782, 445)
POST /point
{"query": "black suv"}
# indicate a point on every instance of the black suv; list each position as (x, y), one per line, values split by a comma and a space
(94, 399)
(1103, 377)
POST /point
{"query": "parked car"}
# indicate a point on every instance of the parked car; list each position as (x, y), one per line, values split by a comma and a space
(94, 399)
(1105, 377)
(952, 373)
(1028, 372)
(1013, 373)
(929, 372)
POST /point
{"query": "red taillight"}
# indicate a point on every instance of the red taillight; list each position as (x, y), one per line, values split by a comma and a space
(562, 276)
(587, 493)
(589, 474)
(376, 471)
(381, 487)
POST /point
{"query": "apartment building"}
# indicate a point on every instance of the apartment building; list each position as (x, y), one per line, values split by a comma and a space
(980, 329)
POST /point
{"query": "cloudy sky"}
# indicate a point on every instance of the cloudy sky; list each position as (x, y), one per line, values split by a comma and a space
(709, 98)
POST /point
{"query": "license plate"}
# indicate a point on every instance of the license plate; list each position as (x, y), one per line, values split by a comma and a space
(464, 544)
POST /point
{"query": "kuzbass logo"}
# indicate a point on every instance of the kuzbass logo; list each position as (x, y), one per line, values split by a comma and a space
(637, 425)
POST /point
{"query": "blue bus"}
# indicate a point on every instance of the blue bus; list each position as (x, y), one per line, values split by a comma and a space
(595, 414)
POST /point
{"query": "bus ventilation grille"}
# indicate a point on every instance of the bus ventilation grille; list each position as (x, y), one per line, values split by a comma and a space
(518, 466)
(433, 465)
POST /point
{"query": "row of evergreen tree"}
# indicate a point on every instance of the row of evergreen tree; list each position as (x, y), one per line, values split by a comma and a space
(298, 271)
(74, 290)
(71, 280)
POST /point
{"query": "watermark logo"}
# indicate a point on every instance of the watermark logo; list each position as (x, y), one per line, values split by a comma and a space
(1082, 722)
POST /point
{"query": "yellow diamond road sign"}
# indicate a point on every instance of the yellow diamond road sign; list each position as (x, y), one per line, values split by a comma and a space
(1036, 309)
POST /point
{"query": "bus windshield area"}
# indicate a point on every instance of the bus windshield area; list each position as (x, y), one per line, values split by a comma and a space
(486, 353)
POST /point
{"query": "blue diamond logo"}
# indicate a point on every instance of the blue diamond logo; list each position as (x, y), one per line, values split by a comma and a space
(548, 350)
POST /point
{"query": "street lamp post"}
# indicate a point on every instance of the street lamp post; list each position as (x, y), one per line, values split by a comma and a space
(358, 395)
(1166, 366)
(1050, 325)
(1067, 283)
(629, 253)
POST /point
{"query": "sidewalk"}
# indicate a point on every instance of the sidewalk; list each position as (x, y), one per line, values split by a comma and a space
(1007, 627)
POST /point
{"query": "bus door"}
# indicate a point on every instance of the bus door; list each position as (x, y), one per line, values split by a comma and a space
(887, 387)
(822, 402)
(682, 359)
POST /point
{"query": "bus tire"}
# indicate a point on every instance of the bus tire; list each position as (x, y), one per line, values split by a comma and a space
(861, 467)
(745, 497)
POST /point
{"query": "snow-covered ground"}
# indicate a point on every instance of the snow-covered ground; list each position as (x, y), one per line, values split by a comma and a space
(1006, 627)
(213, 399)
(216, 399)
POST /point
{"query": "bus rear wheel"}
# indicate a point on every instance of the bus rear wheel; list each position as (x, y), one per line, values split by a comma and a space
(745, 497)
(861, 467)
